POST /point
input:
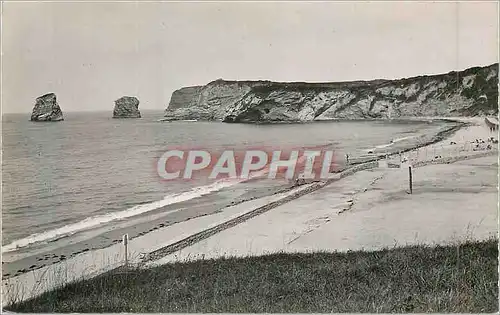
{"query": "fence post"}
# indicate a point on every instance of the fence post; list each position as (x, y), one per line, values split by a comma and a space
(410, 179)
(125, 244)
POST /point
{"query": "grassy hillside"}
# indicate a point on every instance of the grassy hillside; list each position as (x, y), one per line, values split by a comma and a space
(410, 279)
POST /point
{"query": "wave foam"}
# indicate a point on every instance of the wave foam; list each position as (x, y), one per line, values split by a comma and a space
(92, 222)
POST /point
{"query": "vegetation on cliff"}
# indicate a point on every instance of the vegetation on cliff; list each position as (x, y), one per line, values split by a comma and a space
(469, 92)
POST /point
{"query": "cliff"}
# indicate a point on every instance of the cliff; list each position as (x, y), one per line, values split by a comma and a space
(470, 92)
(126, 107)
(46, 109)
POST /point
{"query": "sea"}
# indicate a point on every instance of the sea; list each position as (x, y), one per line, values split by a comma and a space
(72, 180)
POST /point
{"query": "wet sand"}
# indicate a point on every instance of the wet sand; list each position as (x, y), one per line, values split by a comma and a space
(94, 262)
(196, 215)
(370, 210)
(45, 254)
(22, 261)
(35, 257)
(454, 199)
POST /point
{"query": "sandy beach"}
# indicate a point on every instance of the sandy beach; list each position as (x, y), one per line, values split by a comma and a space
(454, 198)
(270, 157)
(370, 210)
(65, 246)
(61, 249)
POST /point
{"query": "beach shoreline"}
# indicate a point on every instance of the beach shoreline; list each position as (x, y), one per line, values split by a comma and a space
(353, 213)
(443, 135)
(51, 252)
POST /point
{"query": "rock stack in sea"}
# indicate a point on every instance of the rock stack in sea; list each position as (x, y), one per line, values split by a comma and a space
(47, 109)
(127, 107)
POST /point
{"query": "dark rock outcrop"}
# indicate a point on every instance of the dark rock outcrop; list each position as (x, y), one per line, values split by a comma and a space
(470, 92)
(127, 107)
(47, 109)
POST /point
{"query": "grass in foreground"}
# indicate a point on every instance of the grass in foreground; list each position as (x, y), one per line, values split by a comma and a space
(409, 279)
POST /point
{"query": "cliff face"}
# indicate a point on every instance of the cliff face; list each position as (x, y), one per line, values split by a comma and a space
(126, 107)
(47, 109)
(466, 93)
(208, 102)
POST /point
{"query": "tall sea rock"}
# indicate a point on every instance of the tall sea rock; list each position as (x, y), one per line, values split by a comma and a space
(470, 92)
(127, 107)
(47, 109)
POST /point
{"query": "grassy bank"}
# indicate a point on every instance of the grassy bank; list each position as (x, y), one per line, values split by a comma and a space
(409, 279)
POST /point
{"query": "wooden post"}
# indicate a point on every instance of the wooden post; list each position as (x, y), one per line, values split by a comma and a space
(125, 244)
(410, 179)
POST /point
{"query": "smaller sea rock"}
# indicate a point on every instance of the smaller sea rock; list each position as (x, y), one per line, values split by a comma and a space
(127, 107)
(47, 109)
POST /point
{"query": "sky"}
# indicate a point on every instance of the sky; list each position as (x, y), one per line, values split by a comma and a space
(91, 54)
